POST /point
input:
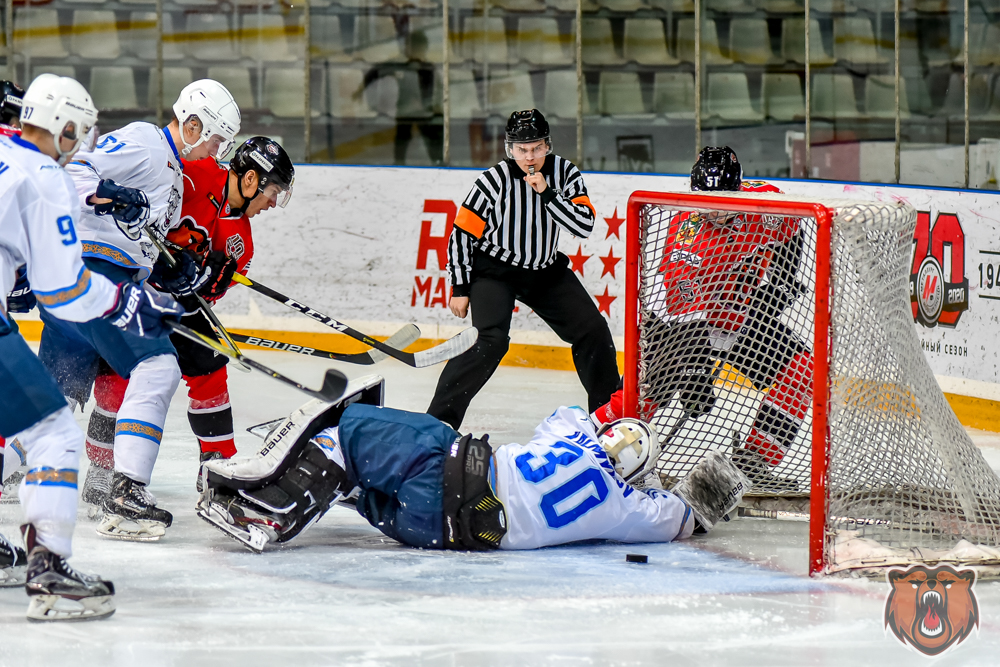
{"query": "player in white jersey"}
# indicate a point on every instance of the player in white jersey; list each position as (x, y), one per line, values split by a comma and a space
(418, 481)
(39, 213)
(130, 183)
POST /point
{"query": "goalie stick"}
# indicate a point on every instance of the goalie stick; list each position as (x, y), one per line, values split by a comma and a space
(334, 382)
(402, 338)
(449, 349)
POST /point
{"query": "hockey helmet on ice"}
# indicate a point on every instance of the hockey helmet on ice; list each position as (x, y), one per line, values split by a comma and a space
(717, 169)
(11, 101)
(215, 108)
(272, 164)
(526, 127)
(62, 106)
(632, 445)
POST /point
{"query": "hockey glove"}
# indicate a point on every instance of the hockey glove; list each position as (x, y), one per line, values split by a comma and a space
(21, 299)
(128, 206)
(219, 269)
(184, 278)
(144, 312)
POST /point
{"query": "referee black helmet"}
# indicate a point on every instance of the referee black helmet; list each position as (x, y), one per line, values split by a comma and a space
(717, 169)
(527, 127)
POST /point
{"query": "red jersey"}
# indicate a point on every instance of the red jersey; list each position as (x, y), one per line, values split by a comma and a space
(711, 267)
(9, 130)
(206, 221)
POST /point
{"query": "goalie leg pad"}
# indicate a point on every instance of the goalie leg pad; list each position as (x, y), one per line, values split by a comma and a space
(713, 488)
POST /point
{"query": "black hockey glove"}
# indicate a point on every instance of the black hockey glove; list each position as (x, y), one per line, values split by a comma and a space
(128, 206)
(219, 269)
(184, 278)
(144, 312)
(21, 299)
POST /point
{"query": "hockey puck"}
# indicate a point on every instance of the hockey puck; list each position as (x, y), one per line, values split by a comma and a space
(636, 558)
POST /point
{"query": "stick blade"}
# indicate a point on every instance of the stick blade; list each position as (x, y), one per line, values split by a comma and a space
(399, 340)
(334, 384)
(449, 349)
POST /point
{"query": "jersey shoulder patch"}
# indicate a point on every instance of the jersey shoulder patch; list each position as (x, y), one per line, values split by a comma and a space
(758, 186)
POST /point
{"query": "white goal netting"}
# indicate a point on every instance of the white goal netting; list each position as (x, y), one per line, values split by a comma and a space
(725, 345)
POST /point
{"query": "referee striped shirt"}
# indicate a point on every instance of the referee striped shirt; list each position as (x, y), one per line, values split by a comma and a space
(505, 218)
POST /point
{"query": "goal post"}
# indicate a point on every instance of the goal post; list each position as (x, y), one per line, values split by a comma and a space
(890, 474)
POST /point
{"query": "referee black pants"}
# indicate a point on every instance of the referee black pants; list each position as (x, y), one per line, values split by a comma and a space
(556, 296)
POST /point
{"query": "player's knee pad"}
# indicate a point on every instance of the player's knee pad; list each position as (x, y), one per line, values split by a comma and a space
(156, 378)
(54, 442)
(474, 517)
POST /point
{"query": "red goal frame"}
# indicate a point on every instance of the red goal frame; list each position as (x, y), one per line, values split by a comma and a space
(821, 370)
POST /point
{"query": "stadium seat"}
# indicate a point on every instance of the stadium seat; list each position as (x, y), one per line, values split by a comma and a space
(376, 39)
(793, 42)
(284, 93)
(95, 36)
(507, 92)
(832, 6)
(174, 80)
(782, 6)
(347, 98)
(36, 33)
(570, 5)
(833, 97)
(729, 97)
(954, 98)
(749, 42)
(464, 95)
(58, 70)
(620, 94)
(645, 42)
(880, 97)
(326, 42)
(263, 37)
(598, 44)
(539, 42)
(854, 41)
(410, 98)
(560, 94)
(673, 94)
(680, 6)
(113, 88)
(782, 97)
(484, 40)
(623, 5)
(729, 6)
(237, 81)
(710, 50)
(209, 37)
(985, 50)
(521, 5)
(141, 36)
(992, 111)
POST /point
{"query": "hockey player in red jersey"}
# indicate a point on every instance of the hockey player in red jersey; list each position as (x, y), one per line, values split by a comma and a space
(11, 95)
(215, 229)
(726, 279)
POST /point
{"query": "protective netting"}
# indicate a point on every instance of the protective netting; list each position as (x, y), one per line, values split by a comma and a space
(725, 342)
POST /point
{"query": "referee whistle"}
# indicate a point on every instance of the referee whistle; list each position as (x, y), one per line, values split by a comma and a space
(531, 170)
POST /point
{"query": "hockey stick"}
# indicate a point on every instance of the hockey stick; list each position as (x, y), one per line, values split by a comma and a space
(205, 308)
(449, 349)
(398, 340)
(334, 382)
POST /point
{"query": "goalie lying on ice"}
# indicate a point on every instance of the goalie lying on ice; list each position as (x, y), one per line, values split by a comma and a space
(420, 482)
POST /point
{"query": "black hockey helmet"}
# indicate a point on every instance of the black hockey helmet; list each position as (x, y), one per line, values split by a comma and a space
(272, 164)
(717, 169)
(10, 102)
(526, 127)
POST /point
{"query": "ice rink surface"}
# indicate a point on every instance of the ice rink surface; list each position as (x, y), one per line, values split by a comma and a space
(343, 595)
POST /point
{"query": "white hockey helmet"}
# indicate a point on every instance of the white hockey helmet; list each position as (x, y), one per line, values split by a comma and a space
(62, 106)
(215, 107)
(632, 446)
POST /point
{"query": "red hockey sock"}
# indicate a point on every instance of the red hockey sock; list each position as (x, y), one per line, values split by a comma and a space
(611, 410)
(109, 392)
(210, 413)
(782, 411)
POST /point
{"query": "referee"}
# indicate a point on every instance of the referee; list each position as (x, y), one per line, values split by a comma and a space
(504, 248)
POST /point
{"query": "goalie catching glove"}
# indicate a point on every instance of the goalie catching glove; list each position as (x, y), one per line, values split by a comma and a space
(128, 206)
(292, 480)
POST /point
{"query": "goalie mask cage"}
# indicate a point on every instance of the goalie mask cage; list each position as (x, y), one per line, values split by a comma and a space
(876, 456)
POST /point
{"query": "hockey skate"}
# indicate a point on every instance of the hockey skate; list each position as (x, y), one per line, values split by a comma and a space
(130, 512)
(759, 470)
(12, 485)
(96, 489)
(60, 593)
(205, 456)
(251, 528)
(13, 564)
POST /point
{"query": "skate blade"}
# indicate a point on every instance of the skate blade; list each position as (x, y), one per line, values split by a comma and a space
(95, 512)
(47, 608)
(12, 577)
(117, 527)
(253, 538)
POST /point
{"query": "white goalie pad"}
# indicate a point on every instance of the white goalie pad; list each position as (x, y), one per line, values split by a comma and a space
(713, 488)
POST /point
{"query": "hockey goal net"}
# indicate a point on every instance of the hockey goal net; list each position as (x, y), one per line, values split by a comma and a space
(780, 330)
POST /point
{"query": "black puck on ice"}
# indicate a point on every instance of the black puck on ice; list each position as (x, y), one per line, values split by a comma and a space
(636, 558)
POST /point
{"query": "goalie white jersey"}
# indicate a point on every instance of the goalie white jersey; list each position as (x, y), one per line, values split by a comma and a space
(139, 155)
(38, 216)
(561, 487)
